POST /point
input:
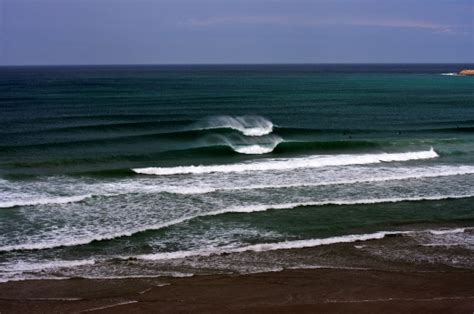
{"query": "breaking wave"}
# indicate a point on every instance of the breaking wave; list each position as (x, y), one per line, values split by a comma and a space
(247, 125)
(314, 161)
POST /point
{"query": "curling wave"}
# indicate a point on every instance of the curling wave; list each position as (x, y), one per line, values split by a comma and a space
(247, 125)
(314, 161)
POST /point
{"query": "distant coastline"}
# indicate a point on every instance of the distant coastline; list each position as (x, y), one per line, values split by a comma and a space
(467, 72)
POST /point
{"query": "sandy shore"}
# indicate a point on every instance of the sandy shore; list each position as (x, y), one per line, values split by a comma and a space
(325, 290)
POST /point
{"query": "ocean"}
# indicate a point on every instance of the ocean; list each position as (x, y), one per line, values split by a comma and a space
(178, 170)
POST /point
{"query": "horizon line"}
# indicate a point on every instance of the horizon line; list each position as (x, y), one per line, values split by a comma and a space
(237, 63)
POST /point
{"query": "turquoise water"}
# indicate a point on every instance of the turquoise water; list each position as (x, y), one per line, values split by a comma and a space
(161, 165)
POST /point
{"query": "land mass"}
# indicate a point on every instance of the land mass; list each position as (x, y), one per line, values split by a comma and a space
(467, 72)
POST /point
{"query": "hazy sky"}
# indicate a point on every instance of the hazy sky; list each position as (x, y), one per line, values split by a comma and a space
(235, 31)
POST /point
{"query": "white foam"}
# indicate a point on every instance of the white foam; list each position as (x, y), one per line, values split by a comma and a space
(253, 149)
(314, 161)
(450, 74)
(429, 172)
(44, 201)
(22, 266)
(247, 125)
(15, 271)
(251, 146)
(237, 209)
(448, 231)
(146, 186)
(285, 245)
(297, 244)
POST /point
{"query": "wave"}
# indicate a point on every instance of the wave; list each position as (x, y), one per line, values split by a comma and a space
(244, 146)
(44, 201)
(450, 74)
(247, 125)
(19, 267)
(253, 149)
(302, 146)
(448, 231)
(432, 174)
(286, 245)
(237, 209)
(314, 161)
(128, 187)
(15, 271)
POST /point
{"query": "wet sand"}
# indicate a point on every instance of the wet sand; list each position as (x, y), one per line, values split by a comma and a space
(289, 291)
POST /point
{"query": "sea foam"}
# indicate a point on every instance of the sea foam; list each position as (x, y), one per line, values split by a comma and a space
(285, 245)
(75, 241)
(44, 201)
(197, 185)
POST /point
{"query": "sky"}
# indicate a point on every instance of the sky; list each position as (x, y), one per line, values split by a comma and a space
(58, 32)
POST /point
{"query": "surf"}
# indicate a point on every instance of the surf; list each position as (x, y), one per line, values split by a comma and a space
(314, 161)
(70, 240)
(288, 245)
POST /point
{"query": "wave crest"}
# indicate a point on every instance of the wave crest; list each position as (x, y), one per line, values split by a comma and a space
(247, 125)
(314, 161)
(251, 146)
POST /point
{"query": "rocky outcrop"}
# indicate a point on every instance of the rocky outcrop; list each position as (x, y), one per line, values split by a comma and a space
(467, 72)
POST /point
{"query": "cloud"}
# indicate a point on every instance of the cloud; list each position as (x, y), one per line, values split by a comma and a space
(227, 20)
(305, 22)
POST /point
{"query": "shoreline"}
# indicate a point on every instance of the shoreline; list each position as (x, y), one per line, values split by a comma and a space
(287, 291)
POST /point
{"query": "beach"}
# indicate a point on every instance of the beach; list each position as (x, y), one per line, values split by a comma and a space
(289, 291)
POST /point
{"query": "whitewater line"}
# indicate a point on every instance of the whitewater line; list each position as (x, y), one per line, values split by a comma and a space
(146, 189)
(315, 161)
(46, 200)
(237, 209)
(285, 245)
(263, 247)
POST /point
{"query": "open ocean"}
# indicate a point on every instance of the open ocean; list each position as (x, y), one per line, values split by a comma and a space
(125, 171)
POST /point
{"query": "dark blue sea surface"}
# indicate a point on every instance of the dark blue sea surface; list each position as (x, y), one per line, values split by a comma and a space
(110, 171)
